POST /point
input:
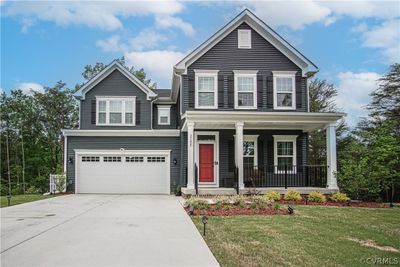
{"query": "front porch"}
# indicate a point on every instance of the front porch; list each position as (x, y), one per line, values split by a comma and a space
(256, 153)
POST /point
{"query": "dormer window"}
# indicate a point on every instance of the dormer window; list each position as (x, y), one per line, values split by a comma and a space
(164, 114)
(284, 90)
(245, 89)
(115, 111)
(244, 39)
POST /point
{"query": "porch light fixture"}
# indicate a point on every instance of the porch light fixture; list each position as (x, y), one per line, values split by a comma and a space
(204, 219)
(175, 161)
(70, 160)
(290, 209)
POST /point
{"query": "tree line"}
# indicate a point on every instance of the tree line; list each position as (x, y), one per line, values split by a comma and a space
(32, 145)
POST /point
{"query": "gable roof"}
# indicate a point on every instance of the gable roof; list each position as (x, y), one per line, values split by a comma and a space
(114, 65)
(261, 28)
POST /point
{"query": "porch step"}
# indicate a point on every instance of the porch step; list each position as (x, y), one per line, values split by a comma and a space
(260, 190)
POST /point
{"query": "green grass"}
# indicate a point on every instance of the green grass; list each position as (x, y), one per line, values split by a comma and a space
(19, 199)
(314, 236)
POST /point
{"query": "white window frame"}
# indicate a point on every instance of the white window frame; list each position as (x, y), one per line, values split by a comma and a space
(252, 138)
(285, 138)
(206, 73)
(163, 108)
(245, 73)
(119, 98)
(241, 45)
(284, 74)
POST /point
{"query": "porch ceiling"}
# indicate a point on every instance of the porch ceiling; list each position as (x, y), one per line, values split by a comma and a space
(306, 121)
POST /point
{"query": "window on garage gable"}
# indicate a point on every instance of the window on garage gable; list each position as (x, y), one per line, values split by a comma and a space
(115, 111)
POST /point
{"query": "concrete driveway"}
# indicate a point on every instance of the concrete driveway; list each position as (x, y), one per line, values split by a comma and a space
(101, 230)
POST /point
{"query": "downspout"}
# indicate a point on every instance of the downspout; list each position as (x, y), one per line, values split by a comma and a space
(151, 112)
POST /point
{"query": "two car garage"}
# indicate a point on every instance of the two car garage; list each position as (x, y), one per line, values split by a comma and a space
(122, 172)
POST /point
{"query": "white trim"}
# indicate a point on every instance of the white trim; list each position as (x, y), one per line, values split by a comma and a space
(202, 71)
(241, 45)
(146, 133)
(285, 138)
(163, 108)
(65, 154)
(124, 99)
(206, 73)
(284, 74)
(216, 156)
(166, 153)
(252, 138)
(331, 156)
(190, 155)
(243, 73)
(107, 71)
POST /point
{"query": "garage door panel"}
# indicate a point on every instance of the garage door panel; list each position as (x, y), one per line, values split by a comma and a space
(133, 175)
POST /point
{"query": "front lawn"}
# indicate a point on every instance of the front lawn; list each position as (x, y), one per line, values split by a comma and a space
(19, 199)
(314, 236)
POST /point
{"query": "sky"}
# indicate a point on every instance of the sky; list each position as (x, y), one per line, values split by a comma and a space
(352, 42)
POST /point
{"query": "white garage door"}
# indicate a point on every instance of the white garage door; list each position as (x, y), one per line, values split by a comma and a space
(123, 173)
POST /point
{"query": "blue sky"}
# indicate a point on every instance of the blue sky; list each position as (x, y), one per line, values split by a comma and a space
(352, 42)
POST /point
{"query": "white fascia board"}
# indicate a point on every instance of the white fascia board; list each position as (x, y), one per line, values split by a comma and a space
(145, 133)
(108, 70)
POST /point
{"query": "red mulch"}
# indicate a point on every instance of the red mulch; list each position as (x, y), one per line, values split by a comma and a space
(336, 204)
(239, 212)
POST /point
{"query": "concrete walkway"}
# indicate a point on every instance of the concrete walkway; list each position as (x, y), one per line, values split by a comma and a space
(101, 230)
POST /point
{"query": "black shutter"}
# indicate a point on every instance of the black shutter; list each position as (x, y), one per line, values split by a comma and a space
(231, 91)
(220, 90)
(298, 93)
(93, 112)
(231, 156)
(270, 92)
(191, 91)
(137, 111)
(259, 92)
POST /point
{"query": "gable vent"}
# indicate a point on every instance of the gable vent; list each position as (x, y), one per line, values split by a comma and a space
(244, 39)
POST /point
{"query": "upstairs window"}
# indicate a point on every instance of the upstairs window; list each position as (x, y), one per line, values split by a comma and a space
(164, 114)
(206, 89)
(284, 90)
(245, 89)
(115, 111)
(244, 39)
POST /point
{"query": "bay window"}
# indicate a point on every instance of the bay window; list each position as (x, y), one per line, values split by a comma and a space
(206, 89)
(284, 90)
(245, 89)
(115, 111)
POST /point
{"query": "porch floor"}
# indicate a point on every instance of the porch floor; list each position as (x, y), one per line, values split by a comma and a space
(259, 190)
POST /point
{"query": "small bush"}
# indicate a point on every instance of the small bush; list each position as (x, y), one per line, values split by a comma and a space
(197, 203)
(253, 206)
(225, 200)
(262, 206)
(340, 197)
(276, 206)
(32, 190)
(292, 195)
(316, 196)
(273, 196)
(262, 200)
(238, 200)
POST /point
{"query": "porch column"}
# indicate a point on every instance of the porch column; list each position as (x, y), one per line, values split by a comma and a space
(331, 156)
(239, 152)
(190, 162)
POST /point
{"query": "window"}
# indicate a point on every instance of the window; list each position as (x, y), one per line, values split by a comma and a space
(115, 111)
(250, 151)
(90, 159)
(284, 90)
(134, 159)
(164, 115)
(244, 39)
(285, 152)
(245, 89)
(112, 159)
(155, 159)
(206, 88)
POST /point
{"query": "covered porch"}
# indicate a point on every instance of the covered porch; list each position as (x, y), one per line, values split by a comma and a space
(254, 152)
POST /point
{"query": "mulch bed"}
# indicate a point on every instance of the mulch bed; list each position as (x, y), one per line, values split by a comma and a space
(336, 204)
(231, 212)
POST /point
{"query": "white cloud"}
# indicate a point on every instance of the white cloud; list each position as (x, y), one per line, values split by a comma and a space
(353, 93)
(167, 21)
(158, 64)
(112, 44)
(29, 87)
(97, 14)
(147, 39)
(386, 37)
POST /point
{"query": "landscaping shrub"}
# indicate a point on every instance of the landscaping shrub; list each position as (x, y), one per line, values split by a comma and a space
(197, 203)
(32, 190)
(272, 195)
(316, 196)
(292, 195)
(225, 200)
(276, 206)
(238, 200)
(339, 197)
(253, 206)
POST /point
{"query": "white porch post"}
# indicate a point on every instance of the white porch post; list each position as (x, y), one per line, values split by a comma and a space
(190, 166)
(239, 152)
(331, 156)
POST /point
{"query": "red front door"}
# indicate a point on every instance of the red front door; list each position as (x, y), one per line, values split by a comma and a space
(206, 162)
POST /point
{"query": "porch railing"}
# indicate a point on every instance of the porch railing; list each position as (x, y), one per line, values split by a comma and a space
(284, 176)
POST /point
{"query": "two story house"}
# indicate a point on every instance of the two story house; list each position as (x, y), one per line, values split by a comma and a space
(237, 118)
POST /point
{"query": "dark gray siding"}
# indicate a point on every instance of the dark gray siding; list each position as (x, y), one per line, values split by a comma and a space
(129, 143)
(116, 84)
(174, 123)
(226, 57)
